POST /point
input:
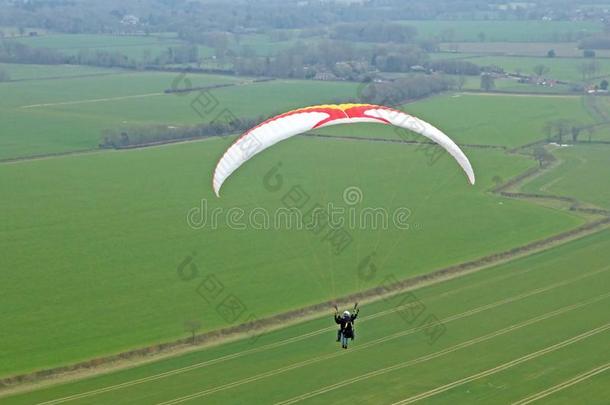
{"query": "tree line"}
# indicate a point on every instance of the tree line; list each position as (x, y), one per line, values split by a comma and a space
(374, 32)
(93, 16)
(404, 89)
(346, 61)
(595, 42)
(12, 51)
(151, 134)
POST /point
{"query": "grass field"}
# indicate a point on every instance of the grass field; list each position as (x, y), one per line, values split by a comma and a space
(92, 231)
(515, 330)
(94, 244)
(502, 120)
(11, 31)
(536, 49)
(138, 47)
(40, 72)
(579, 163)
(566, 69)
(79, 231)
(504, 31)
(70, 114)
(131, 46)
(43, 116)
(512, 85)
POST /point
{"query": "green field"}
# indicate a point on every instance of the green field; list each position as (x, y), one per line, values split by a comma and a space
(536, 49)
(70, 114)
(95, 242)
(138, 47)
(93, 232)
(582, 174)
(81, 225)
(133, 46)
(503, 31)
(515, 330)
(566, 69)
(496, 119)
(40, 72)
(44, 116)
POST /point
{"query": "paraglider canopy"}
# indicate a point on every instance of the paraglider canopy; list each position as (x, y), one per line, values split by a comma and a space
(298, 121)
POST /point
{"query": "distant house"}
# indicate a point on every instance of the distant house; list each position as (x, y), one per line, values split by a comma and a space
(325, 76)
(130, 19)
(595, 90)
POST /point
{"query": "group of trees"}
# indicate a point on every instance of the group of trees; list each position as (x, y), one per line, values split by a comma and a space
(595, 42)
(4, 75)
(345, 61)
(299, 61)
(561, 129)
(143, 135)
(488, 81)
(455, 67)
(93, 16)
(397, 59)
(404, 89)
(375, 32)
(588, 69)
(15, 52)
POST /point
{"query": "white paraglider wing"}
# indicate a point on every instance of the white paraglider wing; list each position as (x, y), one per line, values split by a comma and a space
(299, 121)
(260, 138)
(421, 127)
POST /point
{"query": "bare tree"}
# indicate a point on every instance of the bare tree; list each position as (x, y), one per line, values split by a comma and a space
(460, 82)
(4, 75)
(575, 131)
(488, 82)
(542, 155)
(541, 70)
(557, 129)
(192, 326)
(588, 69)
